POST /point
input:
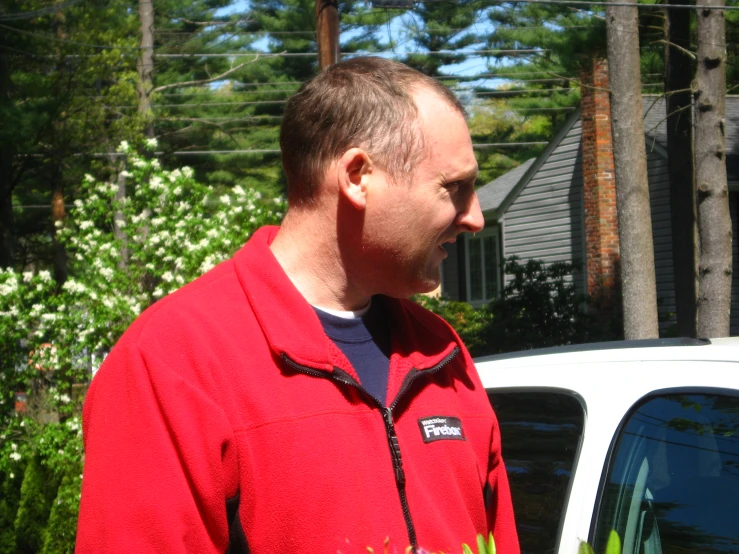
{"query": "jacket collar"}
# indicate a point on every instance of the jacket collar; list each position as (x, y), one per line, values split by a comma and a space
(420, 340)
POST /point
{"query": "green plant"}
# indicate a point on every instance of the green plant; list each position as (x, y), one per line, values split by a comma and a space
(125, 252)
(613, 546)
(482, 546)
(470, 323)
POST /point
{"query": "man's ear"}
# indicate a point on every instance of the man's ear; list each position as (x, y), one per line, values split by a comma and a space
(353, 171)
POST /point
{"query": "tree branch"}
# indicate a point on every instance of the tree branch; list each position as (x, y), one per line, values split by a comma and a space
(201, 81)
(677, 47)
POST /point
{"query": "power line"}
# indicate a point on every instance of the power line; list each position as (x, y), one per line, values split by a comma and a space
(508, 144)
(52, 38)
(350, 55)
(37, 13)
(605, 3)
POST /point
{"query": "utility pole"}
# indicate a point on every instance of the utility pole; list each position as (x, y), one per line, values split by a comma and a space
(630, 165)
(327, 32)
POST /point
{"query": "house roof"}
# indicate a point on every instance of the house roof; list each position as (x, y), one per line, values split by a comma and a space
(498, 194)
(491, 195)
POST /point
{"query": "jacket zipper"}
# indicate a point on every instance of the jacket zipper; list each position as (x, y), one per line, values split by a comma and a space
(387, 418)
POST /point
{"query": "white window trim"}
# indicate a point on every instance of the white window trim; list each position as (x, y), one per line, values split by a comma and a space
(493, 231)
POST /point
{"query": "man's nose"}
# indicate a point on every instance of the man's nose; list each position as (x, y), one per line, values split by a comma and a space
(470, 219)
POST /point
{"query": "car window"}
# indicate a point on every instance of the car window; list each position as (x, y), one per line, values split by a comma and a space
(673, 481)
(541, 434)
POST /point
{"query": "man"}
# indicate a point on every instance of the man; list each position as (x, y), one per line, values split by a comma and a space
(291, 400)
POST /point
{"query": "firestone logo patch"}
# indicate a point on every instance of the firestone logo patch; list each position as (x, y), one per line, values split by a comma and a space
(439, 428)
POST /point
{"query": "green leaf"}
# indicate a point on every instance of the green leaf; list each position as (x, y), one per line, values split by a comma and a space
(614, 543)
(585, 548)
(491, 544)
(466, 549)
(481, 546)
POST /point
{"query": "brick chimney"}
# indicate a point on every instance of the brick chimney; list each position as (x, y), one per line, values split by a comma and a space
(599, 188)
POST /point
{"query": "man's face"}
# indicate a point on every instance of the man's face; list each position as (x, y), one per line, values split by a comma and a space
(407, 224)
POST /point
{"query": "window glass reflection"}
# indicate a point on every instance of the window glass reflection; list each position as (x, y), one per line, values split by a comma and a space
(673, 486)
(541, 433)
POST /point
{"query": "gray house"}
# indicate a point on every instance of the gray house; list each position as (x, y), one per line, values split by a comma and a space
(560, 206)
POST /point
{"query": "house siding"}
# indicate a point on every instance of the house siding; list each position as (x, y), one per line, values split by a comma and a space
(545, 221)
(659, 199)
(734, 211)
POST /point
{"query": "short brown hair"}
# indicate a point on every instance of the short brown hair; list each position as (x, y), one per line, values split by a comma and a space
(362, 102)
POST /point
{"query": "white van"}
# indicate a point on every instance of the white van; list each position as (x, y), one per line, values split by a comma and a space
(640, 437)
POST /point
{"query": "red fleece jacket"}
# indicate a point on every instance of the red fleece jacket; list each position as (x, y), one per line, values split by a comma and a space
(225, 420)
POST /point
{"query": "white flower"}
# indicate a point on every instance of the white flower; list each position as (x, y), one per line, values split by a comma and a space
(15, 456)
(212, 233)
(238, 190)
(225, 199)
(156, 182)
(58, 224)
(121, 223)
(123, 146)
(138, 162)
(108, 303)
(60, 452)
(157, 293)
(27, 276)
(155, 164)
(12, 475)
(9, 288)
(23, 423)
(73, 286)
(177, 191)
(126, 174)
(86, 225)
(187, 171)
(168, 276)
(48, 317)
(107, 273)
(45, 276)
(13, 446)
(151, 143)
(78, 203)
(64, 398)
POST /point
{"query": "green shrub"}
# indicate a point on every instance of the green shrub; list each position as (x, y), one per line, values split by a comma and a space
(539, 307)
(470, 323)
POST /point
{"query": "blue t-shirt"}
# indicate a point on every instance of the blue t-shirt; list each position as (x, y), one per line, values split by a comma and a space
(365, 341)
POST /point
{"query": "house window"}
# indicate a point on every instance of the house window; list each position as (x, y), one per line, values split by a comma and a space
(483, 256)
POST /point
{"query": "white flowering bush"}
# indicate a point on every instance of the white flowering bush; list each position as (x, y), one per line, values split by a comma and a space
(125, 252)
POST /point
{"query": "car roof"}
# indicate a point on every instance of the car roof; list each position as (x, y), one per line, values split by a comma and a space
(650, 349)
(633, 368)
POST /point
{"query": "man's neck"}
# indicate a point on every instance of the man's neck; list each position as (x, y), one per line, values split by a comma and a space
(307, 250)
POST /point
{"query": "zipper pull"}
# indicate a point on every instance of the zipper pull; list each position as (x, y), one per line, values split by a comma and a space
(392, 438)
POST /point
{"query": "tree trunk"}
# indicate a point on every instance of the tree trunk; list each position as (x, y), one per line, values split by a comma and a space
(679, 74)
(630, 164)
(7, 227)
(714, 221)
(57, 180)
(145, 65)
